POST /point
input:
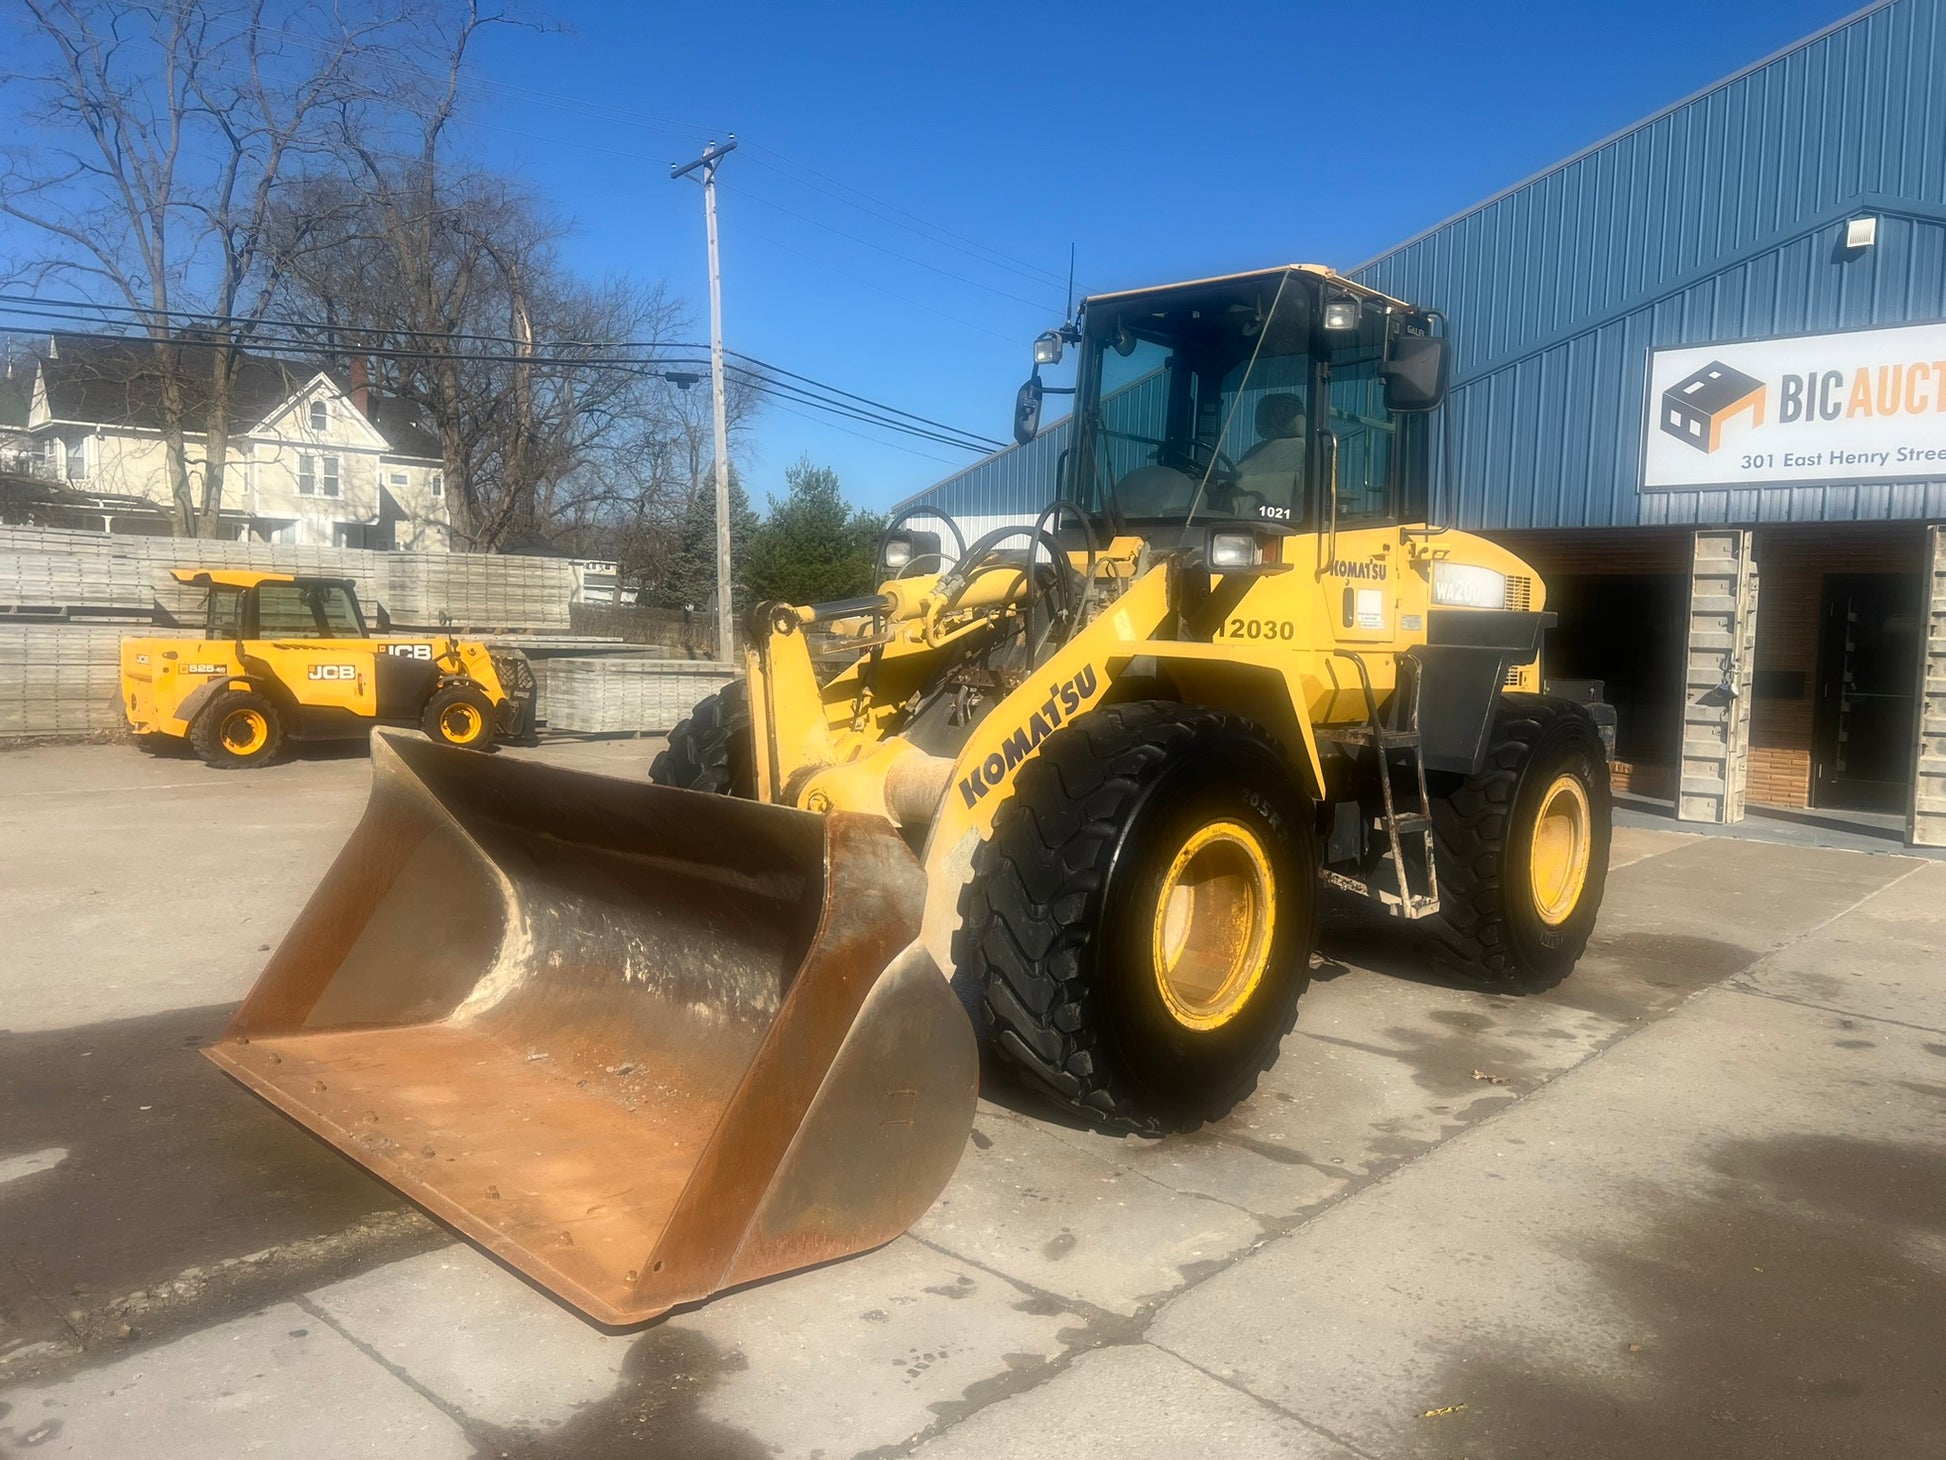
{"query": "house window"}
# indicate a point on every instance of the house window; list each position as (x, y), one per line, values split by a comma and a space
(398, 478)
(436, 483)
(317, 476)
(320, 416)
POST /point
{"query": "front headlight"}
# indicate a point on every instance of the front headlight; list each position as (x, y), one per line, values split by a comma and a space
(1229, 551)
(1466, 585)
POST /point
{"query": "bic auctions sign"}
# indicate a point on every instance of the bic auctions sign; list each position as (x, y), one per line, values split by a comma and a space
(1862, 406)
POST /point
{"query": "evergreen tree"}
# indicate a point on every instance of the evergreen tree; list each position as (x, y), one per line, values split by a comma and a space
(812, 547)
(690, 581)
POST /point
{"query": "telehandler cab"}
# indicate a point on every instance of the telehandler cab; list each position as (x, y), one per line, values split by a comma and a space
(285, 657)
(1088, 773)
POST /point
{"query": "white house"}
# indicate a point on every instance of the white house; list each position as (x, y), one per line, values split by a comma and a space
(313, 459)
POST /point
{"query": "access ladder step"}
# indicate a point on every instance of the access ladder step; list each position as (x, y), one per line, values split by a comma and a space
(1367, 735)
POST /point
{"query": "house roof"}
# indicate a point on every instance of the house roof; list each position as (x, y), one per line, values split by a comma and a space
(403, 425)
(115, 380)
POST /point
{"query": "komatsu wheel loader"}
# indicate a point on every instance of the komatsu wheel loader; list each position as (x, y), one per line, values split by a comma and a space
(1077, 782)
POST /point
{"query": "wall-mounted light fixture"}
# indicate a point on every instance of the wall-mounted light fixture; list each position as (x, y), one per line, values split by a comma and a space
(1860, 233)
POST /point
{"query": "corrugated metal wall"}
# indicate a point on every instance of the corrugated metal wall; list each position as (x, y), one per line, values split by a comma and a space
(1715, 220)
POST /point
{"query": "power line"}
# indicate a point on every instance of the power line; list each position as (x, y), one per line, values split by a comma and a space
(286, 338)
(881, 248)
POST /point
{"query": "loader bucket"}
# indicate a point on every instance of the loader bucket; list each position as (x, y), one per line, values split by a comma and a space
(642, 1044)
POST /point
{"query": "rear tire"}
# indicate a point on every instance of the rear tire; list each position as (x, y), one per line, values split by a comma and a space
(459, 715)
(1518, 900)
(712, 750)
(1142, 916)
(237, 730)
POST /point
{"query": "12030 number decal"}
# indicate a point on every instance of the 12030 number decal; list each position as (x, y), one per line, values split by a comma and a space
(1261, 628)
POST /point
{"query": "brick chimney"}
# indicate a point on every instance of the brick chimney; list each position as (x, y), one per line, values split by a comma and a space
(361, 386)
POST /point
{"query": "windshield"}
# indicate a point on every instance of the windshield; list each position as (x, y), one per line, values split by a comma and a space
(306, 611)
(1204, 407)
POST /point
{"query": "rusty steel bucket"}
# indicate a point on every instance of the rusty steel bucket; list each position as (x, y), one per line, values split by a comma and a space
(643, 1044)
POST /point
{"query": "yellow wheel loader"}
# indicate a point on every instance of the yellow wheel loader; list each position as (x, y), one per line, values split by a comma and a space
(285, 657)
(1082, 778)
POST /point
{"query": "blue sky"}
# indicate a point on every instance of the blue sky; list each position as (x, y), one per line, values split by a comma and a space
(1163, 140)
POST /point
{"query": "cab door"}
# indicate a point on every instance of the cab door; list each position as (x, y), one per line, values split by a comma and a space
(1362, 468)
(310, 641)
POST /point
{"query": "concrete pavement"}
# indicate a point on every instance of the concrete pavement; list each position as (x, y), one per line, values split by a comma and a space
(1689, 1202)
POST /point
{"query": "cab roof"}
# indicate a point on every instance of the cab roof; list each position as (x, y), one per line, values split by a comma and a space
(1323, 271)
(244, 578)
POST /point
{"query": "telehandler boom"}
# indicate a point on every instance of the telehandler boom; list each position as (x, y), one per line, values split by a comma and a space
(648, 1042)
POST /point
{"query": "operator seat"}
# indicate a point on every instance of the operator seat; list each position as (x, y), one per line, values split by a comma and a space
(1273, 469)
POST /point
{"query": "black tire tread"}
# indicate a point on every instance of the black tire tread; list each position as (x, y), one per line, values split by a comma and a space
(204, 729)
(1027, 913)
(1470, 843)
(710, 750)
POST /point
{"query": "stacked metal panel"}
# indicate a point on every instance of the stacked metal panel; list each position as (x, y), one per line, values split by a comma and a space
(477, 590)
(484, 591)
(1926, 821)
(611, 696)
(60, 679)
(51, 585)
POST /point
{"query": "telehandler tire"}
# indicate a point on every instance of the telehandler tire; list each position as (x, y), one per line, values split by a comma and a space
(1143, 914)
(1522, 847)
(459, 715)
(712, 749)
(237, 730)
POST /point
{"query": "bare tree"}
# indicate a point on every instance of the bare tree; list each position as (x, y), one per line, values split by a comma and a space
(163, 134)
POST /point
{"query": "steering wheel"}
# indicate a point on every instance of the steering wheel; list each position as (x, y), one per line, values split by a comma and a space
(1207, 462)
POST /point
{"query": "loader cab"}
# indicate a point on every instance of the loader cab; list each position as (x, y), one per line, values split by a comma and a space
(251, 605)
(1242, 399)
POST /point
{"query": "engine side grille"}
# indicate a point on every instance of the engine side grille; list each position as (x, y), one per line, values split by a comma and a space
(1520, 592)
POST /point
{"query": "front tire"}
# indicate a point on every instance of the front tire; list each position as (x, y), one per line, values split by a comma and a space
(1522, 847)
(237, 730)
(1143, 914)
(712, 750)
(459, 715)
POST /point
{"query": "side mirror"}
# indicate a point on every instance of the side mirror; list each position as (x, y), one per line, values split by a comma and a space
(1027, 410)
(1416, 373)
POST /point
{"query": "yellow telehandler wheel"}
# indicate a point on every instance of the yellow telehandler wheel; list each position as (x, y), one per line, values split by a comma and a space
(1522, 847)
(1142, 916)
(459, 715)
(236, 730)
(712, 749)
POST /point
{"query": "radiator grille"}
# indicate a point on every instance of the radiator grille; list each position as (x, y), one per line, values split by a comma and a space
(1520, 592)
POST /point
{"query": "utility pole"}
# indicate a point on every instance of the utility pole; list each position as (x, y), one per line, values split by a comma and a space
(707, 164)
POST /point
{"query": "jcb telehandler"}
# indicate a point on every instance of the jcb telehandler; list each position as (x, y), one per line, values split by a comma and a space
(646, 1042)
(285, 657)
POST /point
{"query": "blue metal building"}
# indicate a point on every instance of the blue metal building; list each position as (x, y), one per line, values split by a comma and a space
(1700, 321)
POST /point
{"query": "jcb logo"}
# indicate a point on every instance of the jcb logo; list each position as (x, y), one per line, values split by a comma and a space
(334, 671)
(410, 651)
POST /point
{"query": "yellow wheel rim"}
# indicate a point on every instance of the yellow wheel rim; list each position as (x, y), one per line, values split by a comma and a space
(245, 732)
(1557, 862)
(461, 723)
(1214, 917)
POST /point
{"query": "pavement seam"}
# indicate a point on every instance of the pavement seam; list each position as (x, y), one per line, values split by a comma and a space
(1473, 1132)
(60, 1313)
(1270, 1404)
(1750, 993)
(445, 1406)
(1145, 1316)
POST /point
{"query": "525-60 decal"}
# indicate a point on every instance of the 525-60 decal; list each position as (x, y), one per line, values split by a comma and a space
(1260, 628)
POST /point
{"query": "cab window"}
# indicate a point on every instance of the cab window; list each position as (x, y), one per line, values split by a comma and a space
(225, 614)
(1367, 434)
(306, 611)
